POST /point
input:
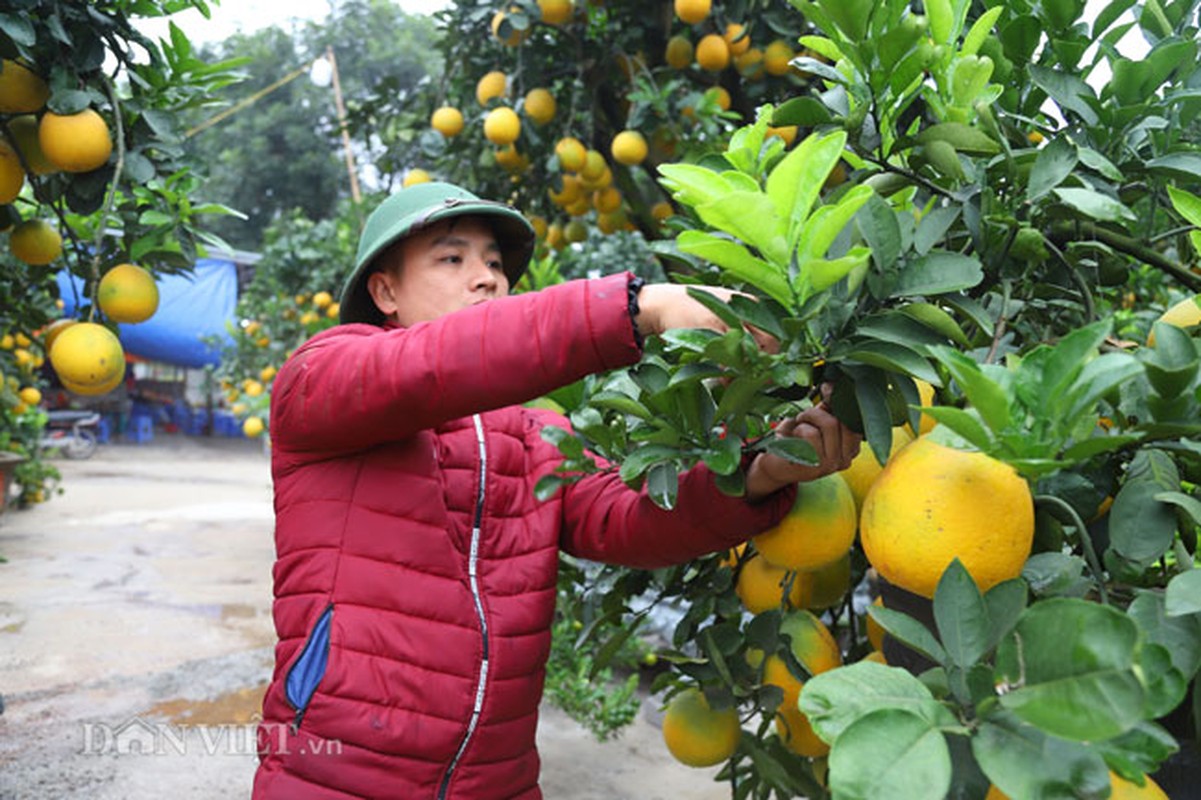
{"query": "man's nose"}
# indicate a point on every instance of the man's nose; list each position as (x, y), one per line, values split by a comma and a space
(482, 274)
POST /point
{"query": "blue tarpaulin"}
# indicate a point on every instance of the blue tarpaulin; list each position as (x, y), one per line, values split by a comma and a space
(191, 309)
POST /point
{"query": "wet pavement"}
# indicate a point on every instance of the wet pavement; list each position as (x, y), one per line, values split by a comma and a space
(136, 640)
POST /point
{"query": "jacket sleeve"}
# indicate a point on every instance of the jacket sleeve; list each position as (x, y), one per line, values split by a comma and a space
(605, 520)
(358, 386)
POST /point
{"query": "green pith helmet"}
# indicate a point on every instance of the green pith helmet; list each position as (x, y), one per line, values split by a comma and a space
(417, 207)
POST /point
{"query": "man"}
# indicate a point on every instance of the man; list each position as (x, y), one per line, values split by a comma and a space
(415, 574)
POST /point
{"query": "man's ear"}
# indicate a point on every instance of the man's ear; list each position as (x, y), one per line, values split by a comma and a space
(380, 287)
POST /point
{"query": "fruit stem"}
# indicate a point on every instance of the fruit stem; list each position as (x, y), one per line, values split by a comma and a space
(1086, 540)
(110, 201)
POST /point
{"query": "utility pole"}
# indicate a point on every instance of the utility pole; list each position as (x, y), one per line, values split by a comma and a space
(350, 164)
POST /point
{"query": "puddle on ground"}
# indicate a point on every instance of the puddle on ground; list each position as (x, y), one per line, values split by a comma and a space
(239, 707)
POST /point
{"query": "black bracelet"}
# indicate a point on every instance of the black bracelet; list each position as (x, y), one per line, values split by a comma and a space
(634, 287)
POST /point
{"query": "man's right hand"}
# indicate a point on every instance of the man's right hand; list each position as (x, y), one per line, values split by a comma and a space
(667, 306)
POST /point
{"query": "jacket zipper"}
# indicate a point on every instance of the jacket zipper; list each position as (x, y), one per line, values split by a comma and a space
(479, 610)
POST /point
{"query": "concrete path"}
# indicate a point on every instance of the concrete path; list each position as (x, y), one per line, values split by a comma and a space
(136, 640)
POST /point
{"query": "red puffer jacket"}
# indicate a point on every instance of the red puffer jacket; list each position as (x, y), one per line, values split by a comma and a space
(415, 573)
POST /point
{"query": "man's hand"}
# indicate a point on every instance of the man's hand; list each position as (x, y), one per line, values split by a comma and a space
(667, 306)
(836, 446)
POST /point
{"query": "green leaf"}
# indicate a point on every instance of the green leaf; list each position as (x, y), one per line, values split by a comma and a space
(547, 486)
(750, 217)
(1073, 662)
(894, 358)
(791, 449)
(738, 261)
(1177, 165)
(1180, 635)
(1051, 574)
(936, 320)
(663, 484)
(936, 273)
(890, 753)
(988, 398)
(796, 182)
(1141, 528)
(1164, 684)
(835, 699)
(908, 631)
(1184, 595)
(724, 456)
(1097, 379)
(1140, 750)
(933, 228)
(639, 461)
(824, 225)
(965, 424)
(693, 185)
(1005, 603)
(19, 28)
(806, 112)
(961, 616)
(823, 274)
(1096, 205)
(1023, 761)
(1173, 363)
(1055, 162)
(621, 403)
(1095, 161)
(877, 223)
(1186, 204)
(1069, 91)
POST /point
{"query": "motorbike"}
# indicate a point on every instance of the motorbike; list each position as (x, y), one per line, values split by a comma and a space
(73, 432)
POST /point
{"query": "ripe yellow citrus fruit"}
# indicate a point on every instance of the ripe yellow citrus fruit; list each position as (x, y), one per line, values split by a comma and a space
(1035, 138)
(21, 89)
(750, 64)
(447, 121)
(12, 177)
(721, 96)
(556, 12)
(35, 242)
(776, 57)
(692, 11)
(865, 468)
(331, 311)
(662, 210)
(927, 422)
(932, 504)
(24, 130)
(515, 36)
(575, 231)
(791, 724)
(759, 586)
(539, 106)
(825, 586)
(538, 223)
(322, 299)
(88, 359)
(736, 38)
(572, 153)
(75, 142)
(697, 735)
(414, 177)
(629, 148)
(679, 52)
(52, 331)
(491, 85)
(502, 126)
(811, 641)
(787, 133)
(30, 395)
(252, 388)
(128, 293)
(266, 374)
(607, 200)
(594, 166)
(252, 427)
(1184, 314)
(554, 236)
(818, 530)
(712, 53)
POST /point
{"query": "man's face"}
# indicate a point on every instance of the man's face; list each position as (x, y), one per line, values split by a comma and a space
(446, 267)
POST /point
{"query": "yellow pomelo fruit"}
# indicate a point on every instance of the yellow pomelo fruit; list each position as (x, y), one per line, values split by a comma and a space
(933, 504)
(720, 96)
(554, 236)
(491, 85)
(927, 422)
(572, 153)
(875, 633)
(75, 142)
(736, 38)
(12, 177)
(818, 530)
(865, 468)
(414, 177)
(35, 242)
(128, 293)
(252, 427)
(629, 148)
(21, 89)
(787, 133)
(539, 106)
(876, 656)
(697, 735)
(538, 223)
(30, 395)
(24, 130)
(502, 126)
(791, 724)
(750, 64)
(447, 121)
(692, 11)
(759, 586)
(88, 358)
(1184, 314)
(511, 160)
(52, 331)
(556, 12)
(607, 200)
(322, 299)
(575, 231)
(712, 53)
(515, 36)
(594, 167)
(825, 586)
(776, 57)
(811, 641)
(266, 374)
(662, 210)
(252, 388)
(679, 52)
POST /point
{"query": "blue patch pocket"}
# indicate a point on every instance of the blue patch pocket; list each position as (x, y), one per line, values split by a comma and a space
(309, 668)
